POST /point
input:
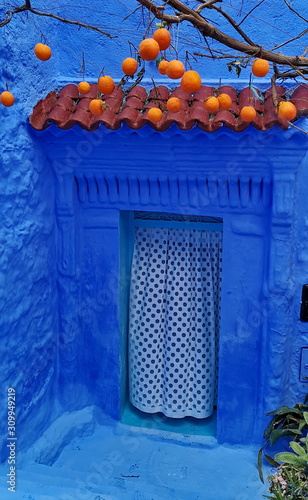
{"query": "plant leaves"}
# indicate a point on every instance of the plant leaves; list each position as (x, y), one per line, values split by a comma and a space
(302, 424)
(284, 410)
(275, 422)
(260, 463)
(276, 434)
(290, 458)
(297, 448)
(305, 415)
(271, 461)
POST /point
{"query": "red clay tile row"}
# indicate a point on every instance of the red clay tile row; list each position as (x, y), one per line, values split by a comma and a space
(68, 108)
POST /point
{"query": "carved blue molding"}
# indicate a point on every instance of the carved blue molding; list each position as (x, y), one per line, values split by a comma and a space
(233, 192)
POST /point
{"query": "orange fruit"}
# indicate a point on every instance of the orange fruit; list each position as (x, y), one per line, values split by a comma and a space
(155, 115)
(106, 84)
(149, 49)
(174, 104)
(225, 101)
(129, 66)
(96, 106)
(42, 51)
(162, 67)
(287, 110)
(260, 67)
(211, 104)
(248, 113)
(7, 99)
(84, 87)
(162, 37)
(175, 69)
(191, 81)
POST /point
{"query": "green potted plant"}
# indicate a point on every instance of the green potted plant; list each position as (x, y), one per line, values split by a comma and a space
(290, 480)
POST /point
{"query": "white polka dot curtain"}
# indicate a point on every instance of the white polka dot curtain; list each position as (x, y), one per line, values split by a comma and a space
(174, 321)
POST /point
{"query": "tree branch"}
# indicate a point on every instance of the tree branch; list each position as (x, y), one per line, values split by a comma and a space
(27, 7)
(298, 128)
(206, 5)
(207, 29)
(234, 24)
(251, 10)
(10, 14)
(295, 11)
(291, 40)
(305, 52)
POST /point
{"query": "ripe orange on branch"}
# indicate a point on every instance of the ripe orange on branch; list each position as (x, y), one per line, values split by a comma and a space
(225, 101)
(211, 104)
(260, 67)
(149, 49)
(42, 51)
(155, 115)
(162, 37)
(96, 106)
(129, 66)
(174, 104)
(287, 110)
(106, 84)
(162, 67)
(7, 99)
(248, 113)
(84, 87)
(191, 81)
(175, 69)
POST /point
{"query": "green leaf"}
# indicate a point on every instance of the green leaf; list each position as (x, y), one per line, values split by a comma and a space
(290, 458)
(162, 24)
(276, 434)
(271, 461)
(284, 410)
(301, 425)
(305, 415)
(297, 448)
(158, 60)
(275, 422)
(260, 464)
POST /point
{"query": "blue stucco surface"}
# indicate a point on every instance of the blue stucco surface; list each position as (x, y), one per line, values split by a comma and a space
(63, 195)
(28, 319)
(118, 463)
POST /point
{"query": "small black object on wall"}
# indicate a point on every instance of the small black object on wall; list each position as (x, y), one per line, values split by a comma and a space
(304, 304)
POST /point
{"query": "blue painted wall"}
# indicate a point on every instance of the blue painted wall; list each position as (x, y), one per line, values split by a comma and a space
(61, 341)
(28, 300)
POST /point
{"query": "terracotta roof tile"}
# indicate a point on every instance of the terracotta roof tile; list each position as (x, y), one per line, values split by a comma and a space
(69, 108)
(300, 99)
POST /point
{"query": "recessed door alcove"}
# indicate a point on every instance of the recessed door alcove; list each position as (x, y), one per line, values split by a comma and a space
(170, 301)
(248, 181)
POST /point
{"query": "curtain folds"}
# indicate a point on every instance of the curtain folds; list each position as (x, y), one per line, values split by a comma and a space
(174, 321)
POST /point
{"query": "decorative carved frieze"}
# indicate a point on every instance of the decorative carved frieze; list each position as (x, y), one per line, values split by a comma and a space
(184, 191)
